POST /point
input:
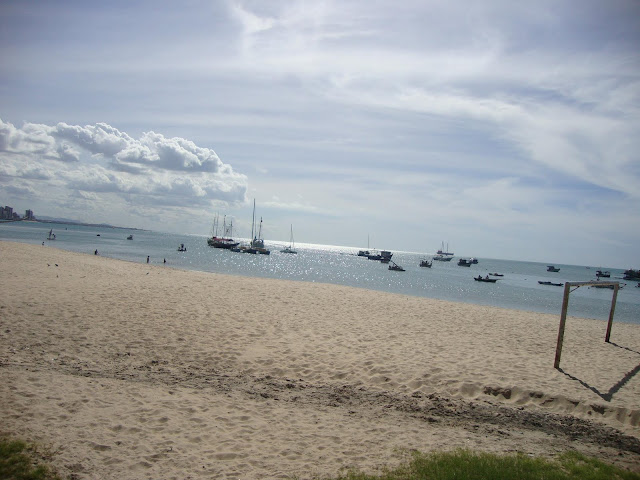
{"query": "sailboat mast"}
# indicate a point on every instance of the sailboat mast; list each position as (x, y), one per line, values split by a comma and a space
(253, 219)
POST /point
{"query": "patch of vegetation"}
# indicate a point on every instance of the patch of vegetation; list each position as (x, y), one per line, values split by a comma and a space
(466, 465)
(18, 461)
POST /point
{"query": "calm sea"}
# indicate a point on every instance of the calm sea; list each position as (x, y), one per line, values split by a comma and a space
(517, 289)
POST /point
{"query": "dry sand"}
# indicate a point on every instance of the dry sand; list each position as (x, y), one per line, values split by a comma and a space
(132, 371)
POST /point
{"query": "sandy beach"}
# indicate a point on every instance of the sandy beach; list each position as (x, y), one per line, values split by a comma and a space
(132, 371)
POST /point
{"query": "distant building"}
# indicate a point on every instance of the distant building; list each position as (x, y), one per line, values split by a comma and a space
(7, 213)
(28, 215)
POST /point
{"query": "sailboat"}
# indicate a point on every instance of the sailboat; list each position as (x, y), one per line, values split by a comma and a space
(443, 255)
(225, 241)
(257, 243)
(442, 251)
(52, 236)
(289, 249)
(365, 253)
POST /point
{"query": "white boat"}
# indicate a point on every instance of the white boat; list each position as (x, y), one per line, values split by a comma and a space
(442, 258)
(52, 236)
(290, 248)
(257, 243)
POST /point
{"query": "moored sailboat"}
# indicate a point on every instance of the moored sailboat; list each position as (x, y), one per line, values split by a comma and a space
(257, 243)
(444, 252)
(290, 248)
(225, 241)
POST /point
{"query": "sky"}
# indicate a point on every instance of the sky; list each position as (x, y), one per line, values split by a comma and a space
(503, 129)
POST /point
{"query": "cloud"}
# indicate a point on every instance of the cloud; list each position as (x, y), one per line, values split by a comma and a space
(100, 160)
(31, 139)
(171, 154)
(99, 138)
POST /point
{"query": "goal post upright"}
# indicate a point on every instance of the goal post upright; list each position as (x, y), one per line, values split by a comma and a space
(563, 321)
(616, 287)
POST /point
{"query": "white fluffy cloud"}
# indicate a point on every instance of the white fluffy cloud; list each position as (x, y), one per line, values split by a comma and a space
(99, 159)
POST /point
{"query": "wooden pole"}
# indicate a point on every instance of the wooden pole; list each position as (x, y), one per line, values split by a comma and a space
(613, 309)
(563, 321)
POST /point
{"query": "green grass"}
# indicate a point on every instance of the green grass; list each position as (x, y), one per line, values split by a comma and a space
(18, 461)
(466, 465)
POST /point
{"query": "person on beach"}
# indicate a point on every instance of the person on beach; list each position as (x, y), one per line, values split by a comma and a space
(96, 252)
(165, 261)
(147, 258)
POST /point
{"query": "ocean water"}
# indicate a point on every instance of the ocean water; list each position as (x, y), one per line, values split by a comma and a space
(518, 289)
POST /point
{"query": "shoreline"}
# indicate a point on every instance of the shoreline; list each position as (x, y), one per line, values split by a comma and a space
(139, 369)
(520, 291)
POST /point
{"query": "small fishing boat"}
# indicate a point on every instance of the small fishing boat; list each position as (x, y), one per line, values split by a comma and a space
(551, 283)
(395, 267)
(603, 274)
(182, 248)
(479, 278)
(130, 237)
(384, 255)
(631, 274)
(426, 263)
(463, 262)
(552, 268)
(497, 274)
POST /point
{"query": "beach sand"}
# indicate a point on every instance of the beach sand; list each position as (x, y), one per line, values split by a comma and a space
(130, 371)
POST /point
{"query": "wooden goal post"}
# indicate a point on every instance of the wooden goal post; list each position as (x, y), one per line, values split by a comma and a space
(565, 307)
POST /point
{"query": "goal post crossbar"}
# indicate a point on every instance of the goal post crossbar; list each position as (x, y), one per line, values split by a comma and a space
(565, 307)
